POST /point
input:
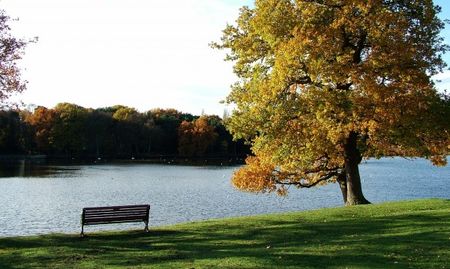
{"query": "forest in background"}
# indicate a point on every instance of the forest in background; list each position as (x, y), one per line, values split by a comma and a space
(118, 132)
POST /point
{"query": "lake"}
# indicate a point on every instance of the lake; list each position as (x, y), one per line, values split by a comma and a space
(40, 199)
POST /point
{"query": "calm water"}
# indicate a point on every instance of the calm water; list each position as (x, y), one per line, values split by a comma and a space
(47, 199)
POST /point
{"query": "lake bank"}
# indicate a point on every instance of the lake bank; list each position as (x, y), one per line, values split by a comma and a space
(49, 199)
(409, 234)
(143, 159)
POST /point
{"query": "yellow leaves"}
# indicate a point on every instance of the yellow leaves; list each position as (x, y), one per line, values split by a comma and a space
(312, 72)
(269, 15)
(254, 177)
(127, 114)
(439, 160)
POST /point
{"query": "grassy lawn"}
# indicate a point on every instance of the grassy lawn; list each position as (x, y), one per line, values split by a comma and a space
(414, 234)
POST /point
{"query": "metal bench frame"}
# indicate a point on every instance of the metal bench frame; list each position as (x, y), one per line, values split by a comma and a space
(115, 214)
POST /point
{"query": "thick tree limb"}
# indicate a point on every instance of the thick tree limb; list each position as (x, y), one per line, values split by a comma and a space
(308, 185)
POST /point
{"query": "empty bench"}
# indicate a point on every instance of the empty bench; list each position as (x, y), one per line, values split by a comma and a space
(115, 214)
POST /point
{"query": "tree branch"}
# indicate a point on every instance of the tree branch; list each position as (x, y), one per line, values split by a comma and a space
(344, 86)
(360, 45)
(309, 185)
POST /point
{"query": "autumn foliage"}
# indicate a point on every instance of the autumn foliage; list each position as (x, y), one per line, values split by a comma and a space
(195, 137)
(325, 84)
(11, 51)
(70, 131)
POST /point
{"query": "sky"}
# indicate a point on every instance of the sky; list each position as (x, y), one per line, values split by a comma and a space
(140, 53)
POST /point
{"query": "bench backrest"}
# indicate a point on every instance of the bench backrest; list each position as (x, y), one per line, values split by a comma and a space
(115, 214)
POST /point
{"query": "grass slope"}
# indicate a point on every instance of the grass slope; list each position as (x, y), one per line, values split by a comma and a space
(413, 234)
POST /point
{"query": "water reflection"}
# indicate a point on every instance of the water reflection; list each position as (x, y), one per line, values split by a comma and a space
(27, 168)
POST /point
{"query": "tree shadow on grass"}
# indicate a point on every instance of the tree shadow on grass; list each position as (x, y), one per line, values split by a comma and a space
(413, 241)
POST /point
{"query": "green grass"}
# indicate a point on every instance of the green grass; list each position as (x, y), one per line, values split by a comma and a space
(413, 234)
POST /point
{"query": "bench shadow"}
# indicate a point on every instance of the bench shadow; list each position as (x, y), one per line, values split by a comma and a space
(363, 243)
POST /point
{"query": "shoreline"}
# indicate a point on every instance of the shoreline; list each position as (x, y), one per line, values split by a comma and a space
(237, 218)
(407, 234)
(154, 159)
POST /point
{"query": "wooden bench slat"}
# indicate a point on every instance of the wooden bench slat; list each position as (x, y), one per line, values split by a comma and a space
(115, 217)
(115, 214)
(86, 220)
(92, 221)
(115, 207)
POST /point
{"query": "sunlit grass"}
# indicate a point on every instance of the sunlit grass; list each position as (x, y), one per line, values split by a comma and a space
(413, 234)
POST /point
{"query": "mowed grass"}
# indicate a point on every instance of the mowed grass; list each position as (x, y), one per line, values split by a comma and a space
(411, 234)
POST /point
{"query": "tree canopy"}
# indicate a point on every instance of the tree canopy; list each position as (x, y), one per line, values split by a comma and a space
(11, 50)
(324, 84)
(70, 131)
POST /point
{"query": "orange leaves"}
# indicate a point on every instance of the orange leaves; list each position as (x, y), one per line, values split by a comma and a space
(312, 72)
(439, 160)
(195, 137)
(261, 176)
(43, 121)
(11, 50)
(254, 177)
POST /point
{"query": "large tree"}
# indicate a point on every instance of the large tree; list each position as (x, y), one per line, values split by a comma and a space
(324, 84)
(11, 50)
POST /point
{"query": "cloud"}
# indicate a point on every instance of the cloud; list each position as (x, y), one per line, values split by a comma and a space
(138, 53)
(442, 76)
(442, 81)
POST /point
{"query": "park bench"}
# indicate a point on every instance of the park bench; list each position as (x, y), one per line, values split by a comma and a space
(115, 214)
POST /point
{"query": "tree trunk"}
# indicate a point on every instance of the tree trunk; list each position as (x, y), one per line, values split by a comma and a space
(352, 159)
(342, 181)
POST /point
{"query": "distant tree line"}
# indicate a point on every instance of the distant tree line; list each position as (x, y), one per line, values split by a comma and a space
(120, 132)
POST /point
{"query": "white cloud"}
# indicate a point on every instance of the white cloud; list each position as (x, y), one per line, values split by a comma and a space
(442, 76)
(139, 53)
(442, 81)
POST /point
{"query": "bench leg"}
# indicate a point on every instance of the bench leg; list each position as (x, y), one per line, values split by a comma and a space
(82, 231)
(146, 227)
